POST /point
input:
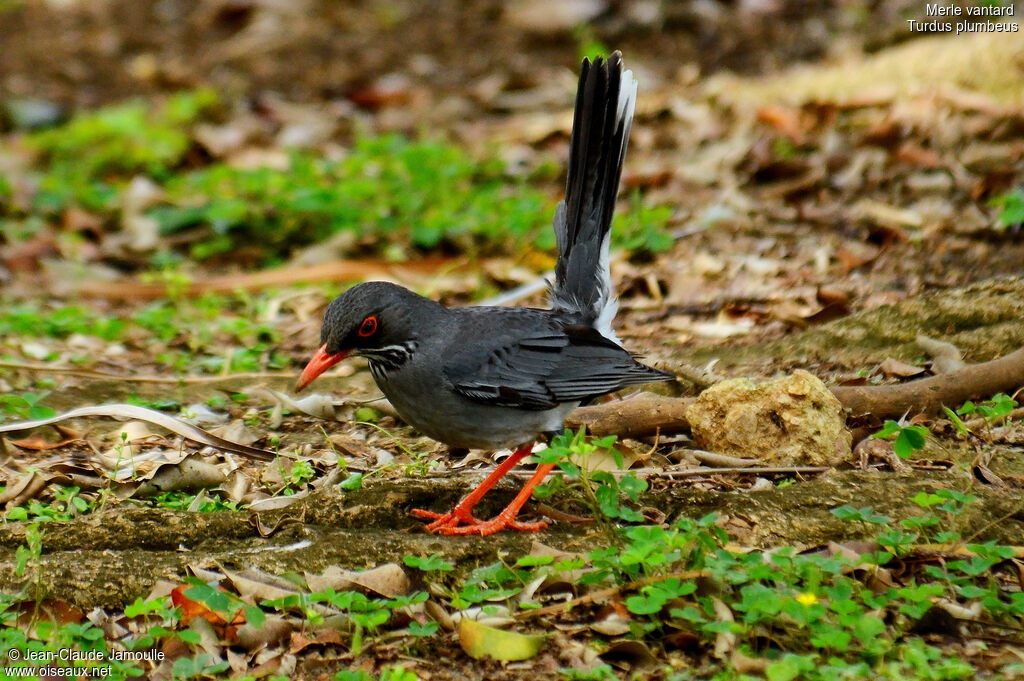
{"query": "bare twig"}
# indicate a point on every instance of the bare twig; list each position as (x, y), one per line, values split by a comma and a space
(562, 516)
(722, 460)
(760, 470)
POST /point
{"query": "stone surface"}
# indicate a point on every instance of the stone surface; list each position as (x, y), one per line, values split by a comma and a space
(792, 420)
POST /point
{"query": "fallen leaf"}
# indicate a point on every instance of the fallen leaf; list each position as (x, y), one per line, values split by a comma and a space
(480, 640)
(388, 580)
(190, 475)
(274, 631)
(894, 367)
(40, 443)
(259, 585)
(629, 653)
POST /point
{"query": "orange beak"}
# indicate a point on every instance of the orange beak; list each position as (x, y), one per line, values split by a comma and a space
(320, 363)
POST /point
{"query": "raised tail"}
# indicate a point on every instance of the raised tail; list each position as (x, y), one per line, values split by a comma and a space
(605, 101)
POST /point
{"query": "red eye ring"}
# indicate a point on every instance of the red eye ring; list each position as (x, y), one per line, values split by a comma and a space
(368, 327)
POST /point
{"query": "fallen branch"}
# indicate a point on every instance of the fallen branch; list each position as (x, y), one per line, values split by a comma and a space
(171, 423)
(639, 416)
(928, 395)
(649, 413)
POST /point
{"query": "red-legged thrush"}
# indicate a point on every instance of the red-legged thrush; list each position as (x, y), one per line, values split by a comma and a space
(496, 377)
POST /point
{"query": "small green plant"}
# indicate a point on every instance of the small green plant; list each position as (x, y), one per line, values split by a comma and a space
(999, 406)
(367, 614)
(1011, 208)
(908, 439)
(297, 476)
(603, 492)
(24, 407)
(431, 563)
(31, 550)
(864, 515)
(224, 603)
(158, 617)
(66, 504)
(200, 666)
(183, 501)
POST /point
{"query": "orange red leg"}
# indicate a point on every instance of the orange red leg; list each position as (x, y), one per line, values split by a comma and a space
(460, 521)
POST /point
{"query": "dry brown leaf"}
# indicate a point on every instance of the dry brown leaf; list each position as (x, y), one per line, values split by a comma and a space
(388, 580)
(257, 585)
(894, 367)
(191, 475)
(275, 630)
(629, 654)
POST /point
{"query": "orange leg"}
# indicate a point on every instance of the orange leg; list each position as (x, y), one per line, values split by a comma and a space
(462, 514)
(507, 518)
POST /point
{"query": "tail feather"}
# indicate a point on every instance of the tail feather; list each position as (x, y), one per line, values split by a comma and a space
(605, 103)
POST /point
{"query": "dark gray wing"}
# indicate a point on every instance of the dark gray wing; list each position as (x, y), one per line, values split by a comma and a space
(548, 367)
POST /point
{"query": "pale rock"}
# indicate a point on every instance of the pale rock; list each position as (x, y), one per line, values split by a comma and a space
(792, 420)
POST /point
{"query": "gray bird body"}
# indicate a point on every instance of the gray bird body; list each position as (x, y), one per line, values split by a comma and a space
(425, 395)
(494, 377)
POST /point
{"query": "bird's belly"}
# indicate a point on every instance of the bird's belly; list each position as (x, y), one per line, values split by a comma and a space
(460, 422)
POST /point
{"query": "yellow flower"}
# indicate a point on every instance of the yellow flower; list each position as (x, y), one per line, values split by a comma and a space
(806, 598)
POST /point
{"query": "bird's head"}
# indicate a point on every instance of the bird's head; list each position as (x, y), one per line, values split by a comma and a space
(366, 318)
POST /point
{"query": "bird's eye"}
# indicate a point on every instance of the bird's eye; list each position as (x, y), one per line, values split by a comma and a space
(368, 327)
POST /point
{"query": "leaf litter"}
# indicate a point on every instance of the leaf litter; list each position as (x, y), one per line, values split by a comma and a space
(760, 228)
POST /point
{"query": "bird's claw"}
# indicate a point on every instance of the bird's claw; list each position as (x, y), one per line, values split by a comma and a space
(456, 524)
(496, 524)
(445, 520)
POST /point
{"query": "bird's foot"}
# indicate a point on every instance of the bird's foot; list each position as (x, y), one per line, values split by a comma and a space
(454, 524)
(455, 518)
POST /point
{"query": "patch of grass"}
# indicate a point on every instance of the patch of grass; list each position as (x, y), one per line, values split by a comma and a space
(391, 193)
(27, 320)
(88, 158)
(201, 334)
(819, 616)
(387, 190)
